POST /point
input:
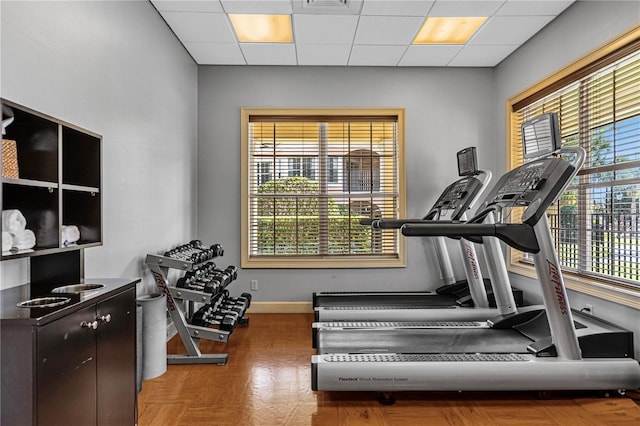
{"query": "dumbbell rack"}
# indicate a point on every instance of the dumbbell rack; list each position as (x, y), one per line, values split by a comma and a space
(189, 333)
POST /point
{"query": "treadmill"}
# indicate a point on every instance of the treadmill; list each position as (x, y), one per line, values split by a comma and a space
(557, 349)
(452, 205)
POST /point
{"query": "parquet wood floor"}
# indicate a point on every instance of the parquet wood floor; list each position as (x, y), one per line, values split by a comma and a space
(267, 382)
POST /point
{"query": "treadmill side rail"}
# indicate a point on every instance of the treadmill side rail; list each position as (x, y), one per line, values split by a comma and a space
(517, 373)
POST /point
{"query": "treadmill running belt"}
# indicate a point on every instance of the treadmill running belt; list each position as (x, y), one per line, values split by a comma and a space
(426, 358)
(425, 341)
(384, 307)
(398, 301)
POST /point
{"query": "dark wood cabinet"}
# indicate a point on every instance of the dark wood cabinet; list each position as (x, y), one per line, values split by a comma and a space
(78, 368)
(116, 363)
(66, 362)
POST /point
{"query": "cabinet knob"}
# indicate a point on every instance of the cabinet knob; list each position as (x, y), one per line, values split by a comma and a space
(105, 318)
(92, 325)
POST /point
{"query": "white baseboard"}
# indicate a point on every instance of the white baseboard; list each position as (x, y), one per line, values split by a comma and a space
(280, 308)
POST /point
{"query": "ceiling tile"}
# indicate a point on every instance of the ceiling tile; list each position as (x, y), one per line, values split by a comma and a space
(330, 29)
(481, 56)
(532, 8)
(396, 7)
(187, 6)
(509, 30)
(276, 7)
(216, 53)
(429, 55)
(323, 54)
(269, 53)
(383, 30)
(464, 8)
(363, 55)
(209, 27)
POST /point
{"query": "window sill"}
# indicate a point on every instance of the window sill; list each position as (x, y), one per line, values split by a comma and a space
(607, 291)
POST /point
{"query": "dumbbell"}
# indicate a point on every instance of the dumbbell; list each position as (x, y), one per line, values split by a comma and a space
(232, 270)
(226, 322)
(175, 252)
(244, 298)
(210, 287)
(190, 282)
(202, 270)
(209, 269)
(238, 308)
(216, 314)
(210, 307)
(215, 249)
(206, 279)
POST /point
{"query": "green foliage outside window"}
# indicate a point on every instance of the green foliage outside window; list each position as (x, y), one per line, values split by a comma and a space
(289, 216)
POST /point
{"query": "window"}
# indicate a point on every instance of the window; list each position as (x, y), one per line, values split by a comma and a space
(596, 222)
(302, 166)
(264, 170)
(309, 176)
(333, 170)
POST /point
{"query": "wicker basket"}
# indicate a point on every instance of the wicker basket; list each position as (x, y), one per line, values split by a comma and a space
(9, 159)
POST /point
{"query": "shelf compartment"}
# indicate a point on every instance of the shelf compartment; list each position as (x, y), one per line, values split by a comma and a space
(36, 143)
(39, 206)
(80, 158)
(83, 209)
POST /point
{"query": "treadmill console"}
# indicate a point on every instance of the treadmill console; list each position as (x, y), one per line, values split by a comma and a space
(467, 162)
(455, 199)
(535, 185)
(541, 135)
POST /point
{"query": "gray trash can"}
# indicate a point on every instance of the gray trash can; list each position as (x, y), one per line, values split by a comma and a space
(154, 335)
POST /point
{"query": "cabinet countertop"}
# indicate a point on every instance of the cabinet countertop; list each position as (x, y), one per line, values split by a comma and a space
(10, 312)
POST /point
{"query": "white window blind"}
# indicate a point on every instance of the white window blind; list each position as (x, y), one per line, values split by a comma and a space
(311, 178)
(596, 223)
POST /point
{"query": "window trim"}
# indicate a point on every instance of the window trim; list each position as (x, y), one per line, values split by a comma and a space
(620, 46)
(289, 262)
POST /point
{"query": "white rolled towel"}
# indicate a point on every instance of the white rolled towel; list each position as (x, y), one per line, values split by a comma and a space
(7, 241)
(24, 240)
(70, 234)
(13, 221)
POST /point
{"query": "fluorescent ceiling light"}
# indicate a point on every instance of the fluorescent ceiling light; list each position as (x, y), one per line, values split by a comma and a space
(262, 28)
(448, 30)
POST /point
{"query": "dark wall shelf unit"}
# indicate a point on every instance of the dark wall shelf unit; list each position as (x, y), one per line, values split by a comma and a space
(59, 183)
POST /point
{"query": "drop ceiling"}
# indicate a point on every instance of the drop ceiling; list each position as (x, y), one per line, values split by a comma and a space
(356, 32)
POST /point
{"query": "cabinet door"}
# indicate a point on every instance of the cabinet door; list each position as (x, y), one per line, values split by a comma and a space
(116, 368)
(66, 371)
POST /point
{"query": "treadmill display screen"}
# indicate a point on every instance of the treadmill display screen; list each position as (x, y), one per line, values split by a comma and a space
(541, 135)
(467, 162)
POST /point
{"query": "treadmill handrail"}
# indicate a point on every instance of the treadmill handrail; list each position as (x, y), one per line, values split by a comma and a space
(516, 235)
(483, 177)
(397, 223)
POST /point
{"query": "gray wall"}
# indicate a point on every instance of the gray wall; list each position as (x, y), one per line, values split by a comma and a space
(582, 28)
(116, 69)
(446, 110)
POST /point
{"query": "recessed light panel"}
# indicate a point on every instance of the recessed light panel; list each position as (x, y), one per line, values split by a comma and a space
(448, 30)
(262, 28)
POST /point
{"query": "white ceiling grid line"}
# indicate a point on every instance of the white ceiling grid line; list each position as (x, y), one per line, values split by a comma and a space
(356, 32)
